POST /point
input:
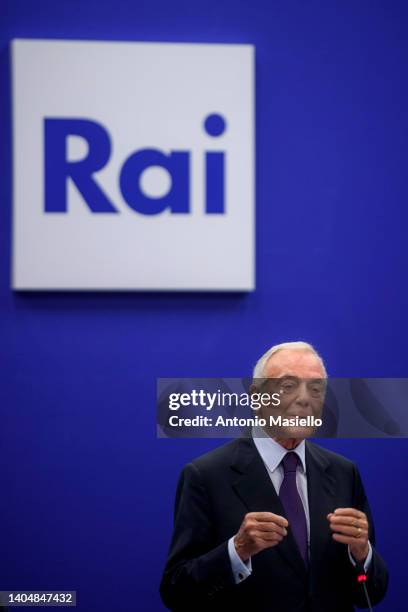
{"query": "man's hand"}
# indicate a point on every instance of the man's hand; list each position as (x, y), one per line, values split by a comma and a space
(350, 526)
(259, 530)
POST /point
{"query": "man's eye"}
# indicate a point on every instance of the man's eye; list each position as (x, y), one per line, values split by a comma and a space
(317, 389)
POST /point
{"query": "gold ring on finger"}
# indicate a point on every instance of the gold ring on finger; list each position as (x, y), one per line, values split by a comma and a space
(359, 532)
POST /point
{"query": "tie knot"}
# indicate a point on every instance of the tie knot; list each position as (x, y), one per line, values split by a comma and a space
(290, 462)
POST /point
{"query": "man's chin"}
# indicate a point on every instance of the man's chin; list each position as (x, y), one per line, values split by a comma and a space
(293, 432)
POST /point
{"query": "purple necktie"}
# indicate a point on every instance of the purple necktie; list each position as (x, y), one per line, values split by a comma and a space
(292, 503)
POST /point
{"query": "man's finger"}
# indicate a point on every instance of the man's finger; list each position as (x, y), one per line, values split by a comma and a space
(271, 536)
(348, 520)
(350, 531)
(343, 539)
(349, 512)
(270, 527)
(269, 517)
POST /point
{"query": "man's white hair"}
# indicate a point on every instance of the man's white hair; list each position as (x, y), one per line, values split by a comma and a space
(259, 369)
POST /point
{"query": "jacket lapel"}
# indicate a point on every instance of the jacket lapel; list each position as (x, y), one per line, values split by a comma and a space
(253, 485)
(322, 500)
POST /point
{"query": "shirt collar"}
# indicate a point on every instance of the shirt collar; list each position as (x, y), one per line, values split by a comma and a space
(272, 452)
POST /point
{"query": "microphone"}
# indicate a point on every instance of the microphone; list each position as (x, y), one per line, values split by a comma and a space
(362, 579)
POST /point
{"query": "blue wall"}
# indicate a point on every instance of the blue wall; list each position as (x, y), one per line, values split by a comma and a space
(87, 490)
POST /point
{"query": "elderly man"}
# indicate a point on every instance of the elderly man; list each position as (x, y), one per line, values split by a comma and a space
(274, 523)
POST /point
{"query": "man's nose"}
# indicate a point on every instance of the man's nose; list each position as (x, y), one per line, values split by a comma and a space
(303, 396)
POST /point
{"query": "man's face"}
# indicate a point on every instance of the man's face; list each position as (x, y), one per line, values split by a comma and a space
(299, 378)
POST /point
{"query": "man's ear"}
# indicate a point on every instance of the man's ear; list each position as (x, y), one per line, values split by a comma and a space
(253, 389)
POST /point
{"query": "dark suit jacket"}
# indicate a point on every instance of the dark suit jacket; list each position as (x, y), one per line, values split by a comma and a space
(215, 492)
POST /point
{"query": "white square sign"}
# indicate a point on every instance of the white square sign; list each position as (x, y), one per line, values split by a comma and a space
(133, 166)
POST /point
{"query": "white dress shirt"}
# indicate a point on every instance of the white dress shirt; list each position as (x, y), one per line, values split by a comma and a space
(272, 454)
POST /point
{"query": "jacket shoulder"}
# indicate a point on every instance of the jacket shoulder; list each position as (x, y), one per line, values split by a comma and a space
(217, 458)
(330, 456)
